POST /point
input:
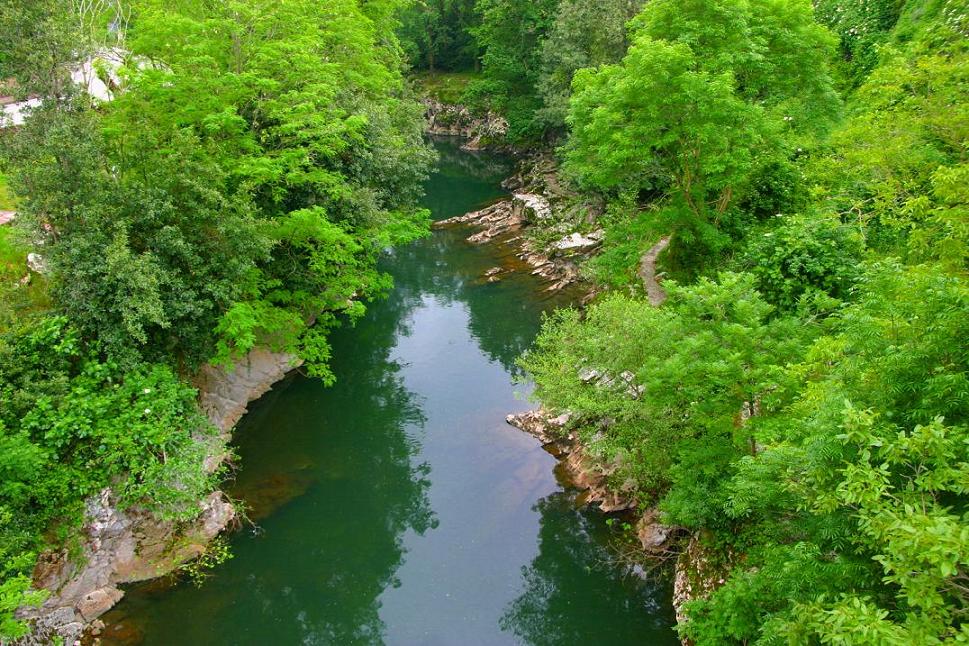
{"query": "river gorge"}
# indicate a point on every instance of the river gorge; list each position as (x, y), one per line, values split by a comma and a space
(397, 506)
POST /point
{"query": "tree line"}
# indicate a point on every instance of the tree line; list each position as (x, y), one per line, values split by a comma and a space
(255, 160)
(799, 403)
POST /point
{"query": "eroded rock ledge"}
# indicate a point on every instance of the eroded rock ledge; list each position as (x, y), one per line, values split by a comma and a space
(504, 223)
(695, 576)
(592, 475)
(481, 131)
(133, 545)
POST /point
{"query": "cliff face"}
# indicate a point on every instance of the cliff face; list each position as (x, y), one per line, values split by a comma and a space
(126, 546)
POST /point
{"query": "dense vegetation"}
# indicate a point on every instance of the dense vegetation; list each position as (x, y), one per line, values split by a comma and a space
(799, 405)
(800, 402)
(255, 159)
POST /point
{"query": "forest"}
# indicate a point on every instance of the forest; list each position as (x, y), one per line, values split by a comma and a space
(797, 407)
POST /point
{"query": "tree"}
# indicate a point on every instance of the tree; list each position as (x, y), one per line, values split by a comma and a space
(437, 34)
(672, 382)
(240, 186)
(584, 34)
(510, 36)
(856, 509)
(708, 93)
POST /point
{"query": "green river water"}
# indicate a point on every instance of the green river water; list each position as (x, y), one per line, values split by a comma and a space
(397, 507)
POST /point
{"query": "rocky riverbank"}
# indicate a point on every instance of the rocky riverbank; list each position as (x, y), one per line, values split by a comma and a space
(480, 131)
(695, 575)
(547, 226)
(127, 546)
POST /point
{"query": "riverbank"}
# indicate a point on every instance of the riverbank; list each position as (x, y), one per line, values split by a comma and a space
(417, 514)
(127, 546)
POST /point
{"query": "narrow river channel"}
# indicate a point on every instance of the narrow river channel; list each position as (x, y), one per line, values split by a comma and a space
(397, 507)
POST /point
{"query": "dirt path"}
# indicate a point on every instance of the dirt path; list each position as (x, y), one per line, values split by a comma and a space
(647, 271)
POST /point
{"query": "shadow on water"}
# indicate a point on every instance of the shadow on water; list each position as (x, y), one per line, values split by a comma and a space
(397, 506)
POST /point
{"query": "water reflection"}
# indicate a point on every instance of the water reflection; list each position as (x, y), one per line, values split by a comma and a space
(333, 484)
(576, 592)
(397, 506)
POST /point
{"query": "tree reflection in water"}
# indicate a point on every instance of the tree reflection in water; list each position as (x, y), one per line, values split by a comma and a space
(576, 593)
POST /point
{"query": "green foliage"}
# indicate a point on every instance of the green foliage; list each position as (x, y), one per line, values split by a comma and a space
(871, 459)
(216, 553)
(436, 34)
(819, 448)
(446, 87)
(905, 141)
(802, 256)
(666, 402)
(510, 35)
(257, 161)
(711, 98)
(72, 423)
(861, 25)
(6, 199)
(584, 34)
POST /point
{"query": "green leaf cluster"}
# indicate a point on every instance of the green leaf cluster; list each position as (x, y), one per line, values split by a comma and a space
(73, 423)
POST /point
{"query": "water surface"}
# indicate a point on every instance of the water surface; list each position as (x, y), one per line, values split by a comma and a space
(397, 507)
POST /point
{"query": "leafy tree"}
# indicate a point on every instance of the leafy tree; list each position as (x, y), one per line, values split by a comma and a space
(861, 25)
(708, 93)
(804, 256)
(73, 423)
(896, 165)
(584, 34)
(146, 250)
(510, 36)
(437, 34)
(666, 401)
(871, 460)
(241, 185)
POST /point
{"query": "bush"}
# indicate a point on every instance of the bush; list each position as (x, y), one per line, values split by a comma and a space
(803, 255)
(72, 423)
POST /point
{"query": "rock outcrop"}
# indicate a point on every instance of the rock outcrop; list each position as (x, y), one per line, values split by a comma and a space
(504, 222)
(131, 545)
(481, 131)
(584, 472)
(696, 577)
(594, 478)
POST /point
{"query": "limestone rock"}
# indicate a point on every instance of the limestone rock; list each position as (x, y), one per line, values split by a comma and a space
(579, 242)
(653, 535)
(457, 121)
(36, 263)
(533, 208)
(95, 604)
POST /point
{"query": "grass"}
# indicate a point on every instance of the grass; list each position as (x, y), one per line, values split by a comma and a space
(16, 301)
(6, 199)
(446, 87)
(12, 256)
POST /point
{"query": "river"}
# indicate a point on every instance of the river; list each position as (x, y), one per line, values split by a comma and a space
(397, 506)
